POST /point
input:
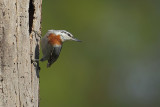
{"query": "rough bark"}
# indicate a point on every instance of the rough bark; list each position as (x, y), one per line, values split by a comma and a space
(19, 78)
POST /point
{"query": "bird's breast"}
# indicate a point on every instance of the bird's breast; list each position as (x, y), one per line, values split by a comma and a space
(54, 39)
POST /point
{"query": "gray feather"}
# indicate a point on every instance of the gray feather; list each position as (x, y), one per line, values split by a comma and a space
(54, 55)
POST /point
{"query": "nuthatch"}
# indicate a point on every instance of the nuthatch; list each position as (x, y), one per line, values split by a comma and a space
(52, 42)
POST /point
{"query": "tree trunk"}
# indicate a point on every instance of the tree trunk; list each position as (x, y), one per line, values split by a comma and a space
(19, 78)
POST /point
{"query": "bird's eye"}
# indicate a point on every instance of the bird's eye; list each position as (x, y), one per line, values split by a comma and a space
(69, 35)
(66, 33)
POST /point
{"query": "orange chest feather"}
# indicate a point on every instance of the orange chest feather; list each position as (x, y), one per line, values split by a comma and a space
(54, 40)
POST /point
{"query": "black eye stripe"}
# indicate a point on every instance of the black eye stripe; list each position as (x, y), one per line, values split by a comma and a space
(66, 33)
(69, 35)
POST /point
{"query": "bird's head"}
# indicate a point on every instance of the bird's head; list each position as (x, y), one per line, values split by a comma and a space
(64, 35)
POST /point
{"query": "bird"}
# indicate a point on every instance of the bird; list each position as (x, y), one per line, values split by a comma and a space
(52, 43)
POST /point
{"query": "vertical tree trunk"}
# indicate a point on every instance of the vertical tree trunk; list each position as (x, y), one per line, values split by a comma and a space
(19, 78)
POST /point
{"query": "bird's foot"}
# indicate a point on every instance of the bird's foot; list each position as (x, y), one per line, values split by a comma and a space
(38, 33)
(35, 63)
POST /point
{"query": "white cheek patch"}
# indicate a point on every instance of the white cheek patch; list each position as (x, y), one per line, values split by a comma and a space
(62, 38)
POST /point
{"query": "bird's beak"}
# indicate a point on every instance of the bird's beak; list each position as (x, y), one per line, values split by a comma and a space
(74, 39)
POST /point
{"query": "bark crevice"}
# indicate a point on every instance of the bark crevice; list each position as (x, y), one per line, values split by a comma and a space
(31, 15)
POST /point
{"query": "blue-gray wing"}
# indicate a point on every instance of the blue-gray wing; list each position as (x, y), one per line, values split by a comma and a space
(54, 55)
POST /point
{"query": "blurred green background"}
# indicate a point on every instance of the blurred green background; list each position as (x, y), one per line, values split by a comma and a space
(118, 62)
